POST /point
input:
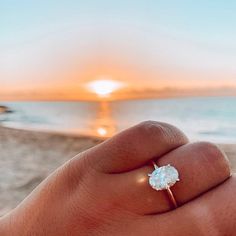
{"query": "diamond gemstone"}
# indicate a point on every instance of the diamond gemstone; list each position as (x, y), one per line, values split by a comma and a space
(163, 177)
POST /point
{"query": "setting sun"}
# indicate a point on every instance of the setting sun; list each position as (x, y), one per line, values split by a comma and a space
(104, 87)
(102, 131)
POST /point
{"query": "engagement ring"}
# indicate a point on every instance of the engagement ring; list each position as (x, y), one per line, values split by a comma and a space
(162, 178)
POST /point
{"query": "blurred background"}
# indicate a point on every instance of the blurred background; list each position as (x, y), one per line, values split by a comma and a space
(73, 73)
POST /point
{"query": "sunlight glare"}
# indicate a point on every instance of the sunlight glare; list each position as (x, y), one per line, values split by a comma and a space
(142, 179)
(102, 131)
(104, 87)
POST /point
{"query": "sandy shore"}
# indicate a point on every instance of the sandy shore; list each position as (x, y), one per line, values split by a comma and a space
(27, 157)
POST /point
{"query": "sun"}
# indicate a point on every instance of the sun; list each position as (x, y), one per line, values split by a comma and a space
(104, 87)
(101, 131)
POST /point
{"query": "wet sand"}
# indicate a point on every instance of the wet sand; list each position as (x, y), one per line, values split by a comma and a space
(28, 157)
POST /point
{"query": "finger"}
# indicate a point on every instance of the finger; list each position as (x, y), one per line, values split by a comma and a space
(213, 213)
(201, 166)
(135, 146)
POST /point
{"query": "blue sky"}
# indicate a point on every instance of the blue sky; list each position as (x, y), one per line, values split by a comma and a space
(202, 19)
(164, 40)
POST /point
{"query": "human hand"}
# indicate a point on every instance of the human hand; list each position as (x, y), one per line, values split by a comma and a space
(105, 190)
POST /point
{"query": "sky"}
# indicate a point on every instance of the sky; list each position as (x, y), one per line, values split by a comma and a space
(53, 48)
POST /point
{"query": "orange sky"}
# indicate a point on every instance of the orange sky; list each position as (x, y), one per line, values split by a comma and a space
(70, 83)
(50, 51)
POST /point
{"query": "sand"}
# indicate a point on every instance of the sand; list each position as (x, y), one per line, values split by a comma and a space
(28, 157)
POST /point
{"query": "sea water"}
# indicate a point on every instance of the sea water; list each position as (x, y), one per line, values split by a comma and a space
(205, 118)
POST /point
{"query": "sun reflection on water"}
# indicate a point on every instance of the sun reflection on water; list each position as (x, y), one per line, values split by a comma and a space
(104, 125)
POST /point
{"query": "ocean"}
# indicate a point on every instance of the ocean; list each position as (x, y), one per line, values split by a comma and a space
(201, 118)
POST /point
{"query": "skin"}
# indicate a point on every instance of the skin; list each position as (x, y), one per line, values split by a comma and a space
(105, 191)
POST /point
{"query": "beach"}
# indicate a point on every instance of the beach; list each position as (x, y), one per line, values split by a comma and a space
(28, 157)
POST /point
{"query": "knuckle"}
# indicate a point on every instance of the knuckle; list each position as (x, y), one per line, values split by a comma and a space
(167, 132)
(150, 127)
(210, 151)
(153, 130)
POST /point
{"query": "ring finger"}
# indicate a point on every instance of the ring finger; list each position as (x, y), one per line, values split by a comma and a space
(201, 166)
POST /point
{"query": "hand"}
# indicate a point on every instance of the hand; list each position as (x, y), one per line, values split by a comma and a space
(105, 190)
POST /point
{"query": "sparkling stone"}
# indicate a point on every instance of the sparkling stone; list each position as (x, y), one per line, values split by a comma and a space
(163, 177)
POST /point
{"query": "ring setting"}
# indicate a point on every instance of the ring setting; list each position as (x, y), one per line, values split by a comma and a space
(164, 177)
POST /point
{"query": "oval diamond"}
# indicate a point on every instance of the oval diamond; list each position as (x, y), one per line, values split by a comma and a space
(163, 177)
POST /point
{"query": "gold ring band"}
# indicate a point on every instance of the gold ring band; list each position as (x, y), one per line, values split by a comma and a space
(172, 198)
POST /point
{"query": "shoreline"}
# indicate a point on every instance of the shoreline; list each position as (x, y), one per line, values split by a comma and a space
(54, 132)
(27, 157)
(225, 144)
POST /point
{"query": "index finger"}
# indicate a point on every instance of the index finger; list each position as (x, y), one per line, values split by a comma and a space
(135, 146)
